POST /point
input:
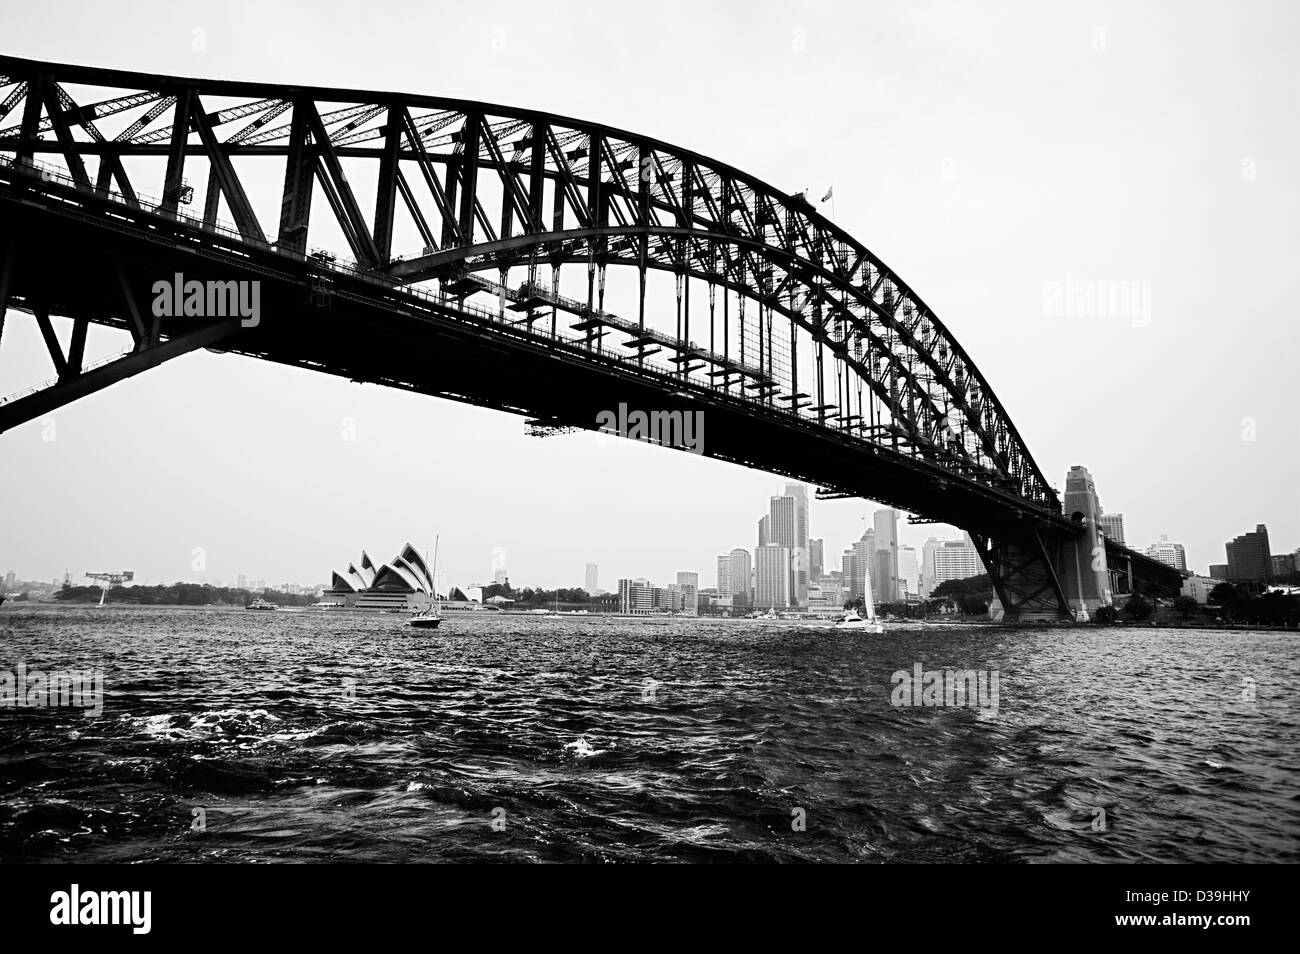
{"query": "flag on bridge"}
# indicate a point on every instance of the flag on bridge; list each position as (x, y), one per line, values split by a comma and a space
(829, 192)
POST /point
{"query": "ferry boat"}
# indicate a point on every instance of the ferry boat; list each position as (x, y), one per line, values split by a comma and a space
(261, 604)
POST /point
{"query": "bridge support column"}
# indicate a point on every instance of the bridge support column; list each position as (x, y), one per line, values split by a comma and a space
(1022, 567)
(1084, 573)
(1043, 573)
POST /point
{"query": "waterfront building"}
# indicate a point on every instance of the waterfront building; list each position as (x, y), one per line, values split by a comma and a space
(636, 597)
(403, 583)
(772, 576)
(739, 578)
(689, 585)
(724, 574)
(1249, 556)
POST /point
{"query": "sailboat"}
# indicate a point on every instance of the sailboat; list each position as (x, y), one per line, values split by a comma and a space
(868, 624)
(431, 616)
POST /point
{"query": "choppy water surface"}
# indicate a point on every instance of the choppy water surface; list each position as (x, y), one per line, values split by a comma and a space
(324, 736)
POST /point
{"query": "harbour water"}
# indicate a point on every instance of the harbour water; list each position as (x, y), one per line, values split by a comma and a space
(227, 735)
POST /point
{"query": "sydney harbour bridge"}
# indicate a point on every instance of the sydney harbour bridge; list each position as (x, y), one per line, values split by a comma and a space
(522, 261)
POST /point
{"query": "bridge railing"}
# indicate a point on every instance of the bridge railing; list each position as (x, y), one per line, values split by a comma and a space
(50, 382)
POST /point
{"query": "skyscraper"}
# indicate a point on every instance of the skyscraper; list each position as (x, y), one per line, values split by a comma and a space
(1112, 524)
(724, 574)
(864, 570)
(772, 576)
(689, 584)
(816, 559)
(800, 494)
(591, 579)
(909, 572)
(783, 526)
(885, 578)
(738, 577)
(764, 530)
(1249, 556)
(789, 515)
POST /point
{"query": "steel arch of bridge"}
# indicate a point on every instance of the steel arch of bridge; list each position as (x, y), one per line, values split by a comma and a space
(802, 319)
(614, 198)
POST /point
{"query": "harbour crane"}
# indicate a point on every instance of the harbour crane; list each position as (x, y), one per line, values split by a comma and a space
(106, 580)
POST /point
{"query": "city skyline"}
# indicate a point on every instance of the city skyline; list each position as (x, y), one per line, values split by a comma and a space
(921, 533)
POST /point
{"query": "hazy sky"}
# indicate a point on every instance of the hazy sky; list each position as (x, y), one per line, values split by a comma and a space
(992, 154)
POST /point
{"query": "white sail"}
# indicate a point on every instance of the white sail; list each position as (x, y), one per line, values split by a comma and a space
(870, 601)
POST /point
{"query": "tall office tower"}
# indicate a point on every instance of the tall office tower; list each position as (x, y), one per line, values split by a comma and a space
(500, 575)
(591, 579)
(784, 524)
(765, 530)
(241, 581)
(861, 573)
(909, 572)
(1171, 554)
(785, 528)
(928, 582)
(864, 571)
(772, 576)
(885, 564)
(1249, 557)
(848, 571)
(689, 584)
(724, 575)
(816, 558)
(1112, 524)
(802, 559)
(739, 577)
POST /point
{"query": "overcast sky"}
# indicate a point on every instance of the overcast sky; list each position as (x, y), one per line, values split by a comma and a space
(992, 154)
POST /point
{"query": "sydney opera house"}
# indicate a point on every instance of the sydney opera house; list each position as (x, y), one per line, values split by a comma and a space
(404, 583)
